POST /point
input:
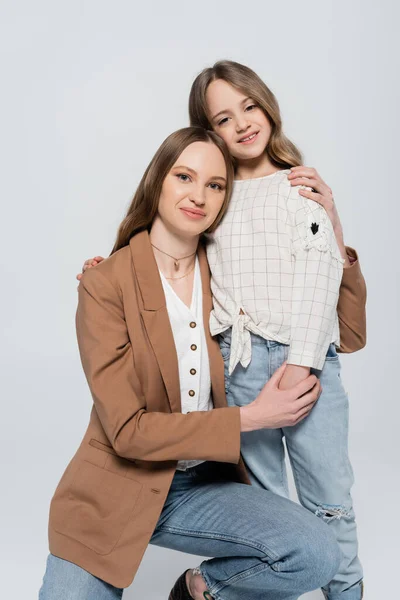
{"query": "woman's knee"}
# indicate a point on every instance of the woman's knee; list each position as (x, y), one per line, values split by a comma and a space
(320, 557)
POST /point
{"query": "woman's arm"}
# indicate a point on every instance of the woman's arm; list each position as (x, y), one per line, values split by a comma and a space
(351, 306)
(134, 433)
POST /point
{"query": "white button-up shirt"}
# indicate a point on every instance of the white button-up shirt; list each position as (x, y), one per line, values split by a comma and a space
(274, 258)
(191, 348)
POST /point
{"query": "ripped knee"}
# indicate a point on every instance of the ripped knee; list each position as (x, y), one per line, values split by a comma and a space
(332, 512)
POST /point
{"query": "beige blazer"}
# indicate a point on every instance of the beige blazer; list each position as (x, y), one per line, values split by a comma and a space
(110, 497)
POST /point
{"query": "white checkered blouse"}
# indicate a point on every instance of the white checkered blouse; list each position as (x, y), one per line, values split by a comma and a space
(274, 257)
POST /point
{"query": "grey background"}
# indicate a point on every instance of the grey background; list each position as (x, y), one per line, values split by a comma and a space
(89, 90)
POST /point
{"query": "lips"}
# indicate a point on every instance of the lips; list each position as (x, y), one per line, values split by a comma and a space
(193, 212)
(249, 138)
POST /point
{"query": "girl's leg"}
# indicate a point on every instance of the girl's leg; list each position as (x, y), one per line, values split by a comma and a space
(318, 451)
(263, 451)
(264, 546)
(65, 581)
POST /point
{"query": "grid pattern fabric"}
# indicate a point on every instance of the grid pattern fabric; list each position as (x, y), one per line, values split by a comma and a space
(276, 271)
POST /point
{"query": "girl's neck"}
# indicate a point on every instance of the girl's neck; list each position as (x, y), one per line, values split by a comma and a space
(166, 242)
(255, 167)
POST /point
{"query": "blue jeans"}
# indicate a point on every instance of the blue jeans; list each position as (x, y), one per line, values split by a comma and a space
(317, 448)
(264, 546)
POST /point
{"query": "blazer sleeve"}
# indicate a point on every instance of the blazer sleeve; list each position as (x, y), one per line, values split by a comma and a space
(351, 307)
(107, 360)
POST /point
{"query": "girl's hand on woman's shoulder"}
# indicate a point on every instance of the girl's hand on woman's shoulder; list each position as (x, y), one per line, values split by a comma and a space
(88, 264)
(320, 192)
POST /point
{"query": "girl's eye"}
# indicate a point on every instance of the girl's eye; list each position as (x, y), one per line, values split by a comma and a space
(251, 107)
(222, 121)
(183, 177)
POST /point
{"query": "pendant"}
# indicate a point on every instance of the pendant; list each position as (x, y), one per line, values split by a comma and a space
(176, 265)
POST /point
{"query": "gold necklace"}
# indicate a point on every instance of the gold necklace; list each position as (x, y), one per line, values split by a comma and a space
(176, 260)
(182, 276)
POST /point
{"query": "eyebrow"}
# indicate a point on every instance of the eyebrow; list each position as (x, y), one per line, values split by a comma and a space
(195, 173)
(226, 110)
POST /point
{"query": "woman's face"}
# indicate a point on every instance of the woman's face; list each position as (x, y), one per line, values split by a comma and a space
(238, 120)
(194, 190)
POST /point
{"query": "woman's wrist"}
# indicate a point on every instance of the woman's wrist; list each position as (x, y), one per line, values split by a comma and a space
(246, 422)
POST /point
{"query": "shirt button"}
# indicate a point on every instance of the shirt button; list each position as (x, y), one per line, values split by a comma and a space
(192, 324)
(193, 371)
(193, 347)
(191, 393)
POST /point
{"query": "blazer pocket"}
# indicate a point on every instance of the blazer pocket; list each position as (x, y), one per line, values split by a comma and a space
(97, 507)
(101, 446)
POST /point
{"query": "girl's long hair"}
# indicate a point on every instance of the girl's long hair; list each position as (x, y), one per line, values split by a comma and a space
(143, 208)
(281, 151)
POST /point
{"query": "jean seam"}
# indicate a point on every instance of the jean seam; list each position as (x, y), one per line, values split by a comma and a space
(284, 482)
(185, 497)
(221, 537)
(214, 589)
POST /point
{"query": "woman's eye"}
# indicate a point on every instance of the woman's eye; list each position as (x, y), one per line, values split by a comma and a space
(216, 186)
(251, 107)
(222, 121)
(183, 177)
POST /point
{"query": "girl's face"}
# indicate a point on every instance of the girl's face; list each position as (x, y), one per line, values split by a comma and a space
(238, 120)
(193, 191)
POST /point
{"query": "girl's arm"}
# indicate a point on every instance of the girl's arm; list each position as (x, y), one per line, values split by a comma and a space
(317, 274)
(353, 292)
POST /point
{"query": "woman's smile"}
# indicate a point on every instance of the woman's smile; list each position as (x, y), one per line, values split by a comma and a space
(193, 213)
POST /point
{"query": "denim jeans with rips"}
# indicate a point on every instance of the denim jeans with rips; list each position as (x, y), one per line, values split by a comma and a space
(317, 449)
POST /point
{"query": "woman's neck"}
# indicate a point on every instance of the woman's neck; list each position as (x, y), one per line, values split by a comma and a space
(255, 167)
(171, 249)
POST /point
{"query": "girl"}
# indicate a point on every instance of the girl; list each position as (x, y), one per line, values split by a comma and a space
(276, 269)
(157, 464)
(276, 262)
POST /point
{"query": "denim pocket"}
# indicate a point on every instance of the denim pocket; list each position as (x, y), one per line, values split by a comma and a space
(332, 354)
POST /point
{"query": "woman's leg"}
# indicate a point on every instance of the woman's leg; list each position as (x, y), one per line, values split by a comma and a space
(318, 451)
(264, 546)
(65, 581)
(263, 451)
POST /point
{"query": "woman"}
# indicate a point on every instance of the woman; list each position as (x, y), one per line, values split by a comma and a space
(160, 460)
(277, 264)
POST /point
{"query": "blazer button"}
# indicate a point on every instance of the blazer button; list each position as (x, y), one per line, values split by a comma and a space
(192, 324)
(193, 371)
(191, 393)
(193, 347)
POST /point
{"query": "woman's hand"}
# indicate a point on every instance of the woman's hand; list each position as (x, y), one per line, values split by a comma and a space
(322, 194)
(274, 408)
(90, 262)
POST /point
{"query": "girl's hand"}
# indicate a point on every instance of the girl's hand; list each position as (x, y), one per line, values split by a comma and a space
(292, 376)
(320, 193)
(90, 262)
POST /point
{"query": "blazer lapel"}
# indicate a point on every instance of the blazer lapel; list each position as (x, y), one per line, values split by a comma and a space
(155, 316)
(214, 353)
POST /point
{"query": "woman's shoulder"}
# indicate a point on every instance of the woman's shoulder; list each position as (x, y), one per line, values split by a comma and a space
(111, 270)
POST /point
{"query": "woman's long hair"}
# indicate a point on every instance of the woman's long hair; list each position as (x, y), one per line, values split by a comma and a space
(281, 151)
(143, 208)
